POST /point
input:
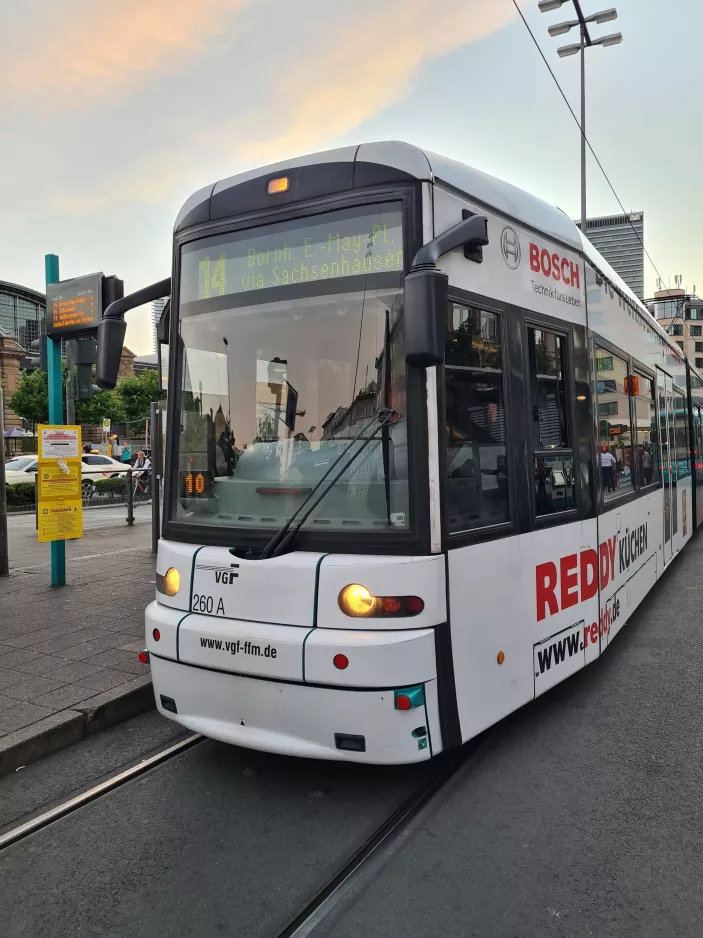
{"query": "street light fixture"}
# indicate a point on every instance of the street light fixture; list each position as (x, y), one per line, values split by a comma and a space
(604, 17)
(560, 29)
(614, 39)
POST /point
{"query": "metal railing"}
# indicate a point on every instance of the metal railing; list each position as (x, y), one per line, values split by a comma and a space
(99, 487)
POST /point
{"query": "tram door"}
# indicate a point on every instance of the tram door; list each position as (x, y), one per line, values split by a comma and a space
(667, 458)
(698, 460)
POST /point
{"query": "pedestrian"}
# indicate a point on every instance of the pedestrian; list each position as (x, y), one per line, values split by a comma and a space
(142, 466)
(617, 469)
(607, 461)
(126, 453)
(647, 464)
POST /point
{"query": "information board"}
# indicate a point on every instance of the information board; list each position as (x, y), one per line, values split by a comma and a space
(74, 307)
(59, 443)
(59, 501)
(61, 520)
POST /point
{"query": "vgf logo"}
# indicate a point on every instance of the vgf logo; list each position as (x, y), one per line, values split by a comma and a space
(510, 247)
(227, 576)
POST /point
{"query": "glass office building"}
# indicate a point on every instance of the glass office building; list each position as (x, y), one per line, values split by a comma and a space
(22, 311)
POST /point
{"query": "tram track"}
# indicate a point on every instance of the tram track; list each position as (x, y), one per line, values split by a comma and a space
(352, 875)
(334, 894)
(39, 821)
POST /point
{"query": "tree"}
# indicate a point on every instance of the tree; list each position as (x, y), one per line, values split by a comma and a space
(31, 402)
(100, 405)
(267, 429)
(130, 401)
(544, 359)
(136, 394)
(31, 399)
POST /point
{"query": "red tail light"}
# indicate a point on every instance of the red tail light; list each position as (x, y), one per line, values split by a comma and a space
(341, 662)
(144, 657)
(415, 604)
(156, 634)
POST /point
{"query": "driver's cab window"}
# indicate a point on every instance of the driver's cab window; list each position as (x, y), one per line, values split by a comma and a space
(477, 483)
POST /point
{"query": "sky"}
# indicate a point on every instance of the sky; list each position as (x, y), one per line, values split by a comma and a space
(114, 111)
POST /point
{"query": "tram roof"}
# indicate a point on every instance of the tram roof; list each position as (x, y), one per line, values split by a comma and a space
(393, 161)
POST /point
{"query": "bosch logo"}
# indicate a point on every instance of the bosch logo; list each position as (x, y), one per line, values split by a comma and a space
(554, 266)
(510, 247)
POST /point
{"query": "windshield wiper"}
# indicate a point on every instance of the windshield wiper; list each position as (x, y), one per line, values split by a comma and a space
(283, 537)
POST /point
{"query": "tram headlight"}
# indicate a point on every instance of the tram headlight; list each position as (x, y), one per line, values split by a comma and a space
(169, 583)
(356, 600)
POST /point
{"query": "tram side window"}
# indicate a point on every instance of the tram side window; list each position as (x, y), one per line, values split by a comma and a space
(553, 459)
(648, 455)
(683, 448)
(477, 484)
(698, 443)
(614, 424)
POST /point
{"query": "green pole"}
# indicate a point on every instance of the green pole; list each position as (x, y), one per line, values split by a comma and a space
(53, 358)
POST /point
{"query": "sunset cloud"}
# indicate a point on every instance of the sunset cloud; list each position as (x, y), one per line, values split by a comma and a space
(78, 52)
(365, 67)
(296, 97)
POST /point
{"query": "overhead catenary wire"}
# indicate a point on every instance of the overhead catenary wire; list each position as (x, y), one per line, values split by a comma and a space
(593, 152)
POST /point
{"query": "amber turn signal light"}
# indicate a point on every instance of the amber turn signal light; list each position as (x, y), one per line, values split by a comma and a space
(169, 583)
(357, 601)
(277, 185)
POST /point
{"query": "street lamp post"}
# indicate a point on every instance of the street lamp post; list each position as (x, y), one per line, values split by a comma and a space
(560, 29)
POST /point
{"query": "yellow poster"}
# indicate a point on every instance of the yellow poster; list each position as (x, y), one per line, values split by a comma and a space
(60, 520)
(59, 503)
(56, 481)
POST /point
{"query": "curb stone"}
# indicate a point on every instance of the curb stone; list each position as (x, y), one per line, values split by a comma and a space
(70, 726)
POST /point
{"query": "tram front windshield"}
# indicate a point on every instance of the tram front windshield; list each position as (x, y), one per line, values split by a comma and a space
(291, 342)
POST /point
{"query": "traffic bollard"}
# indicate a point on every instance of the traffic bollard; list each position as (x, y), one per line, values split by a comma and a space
(130, 498)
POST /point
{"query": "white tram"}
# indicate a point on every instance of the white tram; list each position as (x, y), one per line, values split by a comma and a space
(426, 455)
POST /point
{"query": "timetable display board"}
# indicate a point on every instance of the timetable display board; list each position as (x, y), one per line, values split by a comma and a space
(74, 307)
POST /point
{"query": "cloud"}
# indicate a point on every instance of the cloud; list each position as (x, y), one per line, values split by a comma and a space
(76, 53)
(314, 87)
(365, 67)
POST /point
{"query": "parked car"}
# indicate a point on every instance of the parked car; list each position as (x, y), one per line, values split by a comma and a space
(95, 466)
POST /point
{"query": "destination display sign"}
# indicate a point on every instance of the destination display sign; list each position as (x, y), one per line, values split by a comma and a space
(74, 307)
(325, 247)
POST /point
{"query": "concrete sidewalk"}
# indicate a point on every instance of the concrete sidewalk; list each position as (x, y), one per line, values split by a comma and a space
(68, 656)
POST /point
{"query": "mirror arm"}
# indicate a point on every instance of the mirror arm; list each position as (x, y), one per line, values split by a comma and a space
(154, 291)
(471, 232)
(426, 290)
(112, 328)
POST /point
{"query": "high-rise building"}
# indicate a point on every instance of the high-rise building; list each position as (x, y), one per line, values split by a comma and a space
(157, 308)
(620, 239)
(681, 314)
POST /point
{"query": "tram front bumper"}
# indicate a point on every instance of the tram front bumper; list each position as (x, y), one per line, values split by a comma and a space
(305, 705)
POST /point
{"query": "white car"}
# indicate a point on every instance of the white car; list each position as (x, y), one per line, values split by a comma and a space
(95, 466)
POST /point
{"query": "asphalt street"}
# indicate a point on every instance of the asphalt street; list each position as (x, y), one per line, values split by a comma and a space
(581, 816)
(578, 817)
(217, 841)
(27, 554)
